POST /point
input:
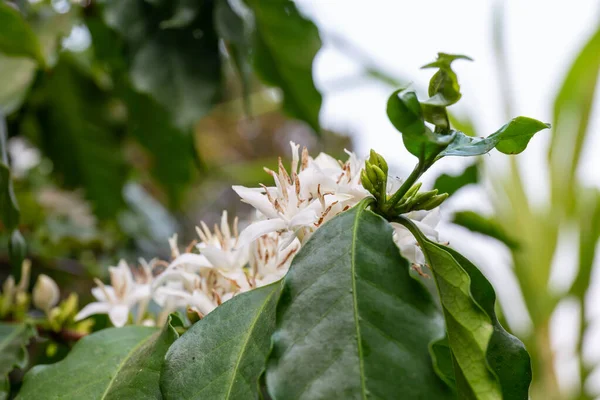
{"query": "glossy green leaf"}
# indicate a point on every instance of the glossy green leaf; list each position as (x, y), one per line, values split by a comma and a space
(405, 113)
(16, 36)
(489, 362)
(512, 138)
(285, 45)
(78, 132)
(222, 355)
(13, 353)
(115, 363)
(180, 66)
(451, 183)
(351, 321)
(485, 225)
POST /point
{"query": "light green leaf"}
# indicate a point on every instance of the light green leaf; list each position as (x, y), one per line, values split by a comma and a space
(489, 363)
(351, 321)
(115, 363)
(16, 36)
(285, 45)
(512, 138)
(485, 225)
(13, 354)
(222, 355)
(77, 131)
(16, 76)
(451, 183)
(179, 67)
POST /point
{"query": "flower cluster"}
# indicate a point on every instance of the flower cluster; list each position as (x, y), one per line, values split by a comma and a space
(225, 262)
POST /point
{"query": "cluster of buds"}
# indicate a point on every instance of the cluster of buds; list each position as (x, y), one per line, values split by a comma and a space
(414, 200)
(374, 176)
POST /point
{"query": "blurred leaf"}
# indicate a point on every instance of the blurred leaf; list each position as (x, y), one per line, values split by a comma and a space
(17, 250)
(179, 67)
(185, 12)
(351, 320)
(79, 136)
(285, 45)
(9, 209)
(484, 225)
(235, 30)
(16, 36)
(171, 150)
(512, 138)
(489, 362)
(16, 76)
(117, 363)
(572, 110)
(589, 234)
(13, 353)
(222, 355)
(451, 183)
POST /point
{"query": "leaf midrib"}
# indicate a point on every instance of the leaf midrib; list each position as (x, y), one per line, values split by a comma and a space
(247, 340)
(125, 359)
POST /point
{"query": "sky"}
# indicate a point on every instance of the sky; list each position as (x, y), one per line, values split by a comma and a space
(541, 40)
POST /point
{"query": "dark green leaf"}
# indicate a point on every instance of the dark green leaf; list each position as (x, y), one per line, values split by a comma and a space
(13, 354)
(451, 183)
(235, 30)
(489, 362)
(222, 355)
(443, 362)
(9, 209)
(184, 14)
(16, 36)
(17, 249)
(512, 138)
(405, 113)
(484, 225)
(79, 135)
(115, 363)
(179, 67)
(351, 321)
(285, 45)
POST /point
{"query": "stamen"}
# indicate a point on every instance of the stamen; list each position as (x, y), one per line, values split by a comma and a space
(283, 173)
(304, 162)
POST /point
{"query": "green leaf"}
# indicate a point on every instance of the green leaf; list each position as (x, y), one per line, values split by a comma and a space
(451, 183)
(405, 113)
(443, 361)
(222, 355)
(285, 45)
(9, 209)
(512, 138)
(78, 132)
(485, 225)
(16, 77)
(16, 36)
(179, 67)
(351, 321)
(489, 362)
(115, 363)
(13, 353)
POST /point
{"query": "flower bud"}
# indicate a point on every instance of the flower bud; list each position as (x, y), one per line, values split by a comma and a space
(45, 293)
(366, 182)
(434, 202)
(378, 160)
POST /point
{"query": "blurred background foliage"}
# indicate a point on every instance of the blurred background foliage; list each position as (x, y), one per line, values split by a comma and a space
(125, 121)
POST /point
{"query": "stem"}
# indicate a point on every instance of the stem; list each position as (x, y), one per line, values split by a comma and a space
(412, 178)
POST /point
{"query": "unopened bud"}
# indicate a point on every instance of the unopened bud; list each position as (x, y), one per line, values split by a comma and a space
(377, 159)
(371, 173)
(434, 202)
(45, 293)
(413, 190)
(366, 182)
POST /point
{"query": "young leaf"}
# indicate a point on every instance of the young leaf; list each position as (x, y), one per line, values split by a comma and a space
(16, 36)
(484, 225)
(512, 138)
(351, 321)
(222, 355)
(115, 363)
(451, 183)
(489, 363)
(13, 339)
(285, 45)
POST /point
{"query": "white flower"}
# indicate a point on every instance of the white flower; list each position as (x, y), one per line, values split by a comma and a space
(426, 221)
(295, 204)
(219, 248)
(117, 299)
(45, 293)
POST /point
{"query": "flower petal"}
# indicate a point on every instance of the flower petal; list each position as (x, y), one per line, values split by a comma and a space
(93, 309)
(259, 228)
(118, 315)
(257, 200)
(191, 262)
